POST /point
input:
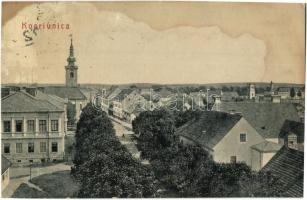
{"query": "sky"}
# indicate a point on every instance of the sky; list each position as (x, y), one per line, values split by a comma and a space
(155, 42)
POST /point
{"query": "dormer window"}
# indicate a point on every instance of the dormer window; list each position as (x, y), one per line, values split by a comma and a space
(292, 141)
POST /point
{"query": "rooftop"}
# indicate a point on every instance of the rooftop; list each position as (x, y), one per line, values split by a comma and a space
(24, 102)
(266, 118)
(288, 165)
(294, 127)
(209, 128)
(267, 147)
(123, 93)
(71, 93)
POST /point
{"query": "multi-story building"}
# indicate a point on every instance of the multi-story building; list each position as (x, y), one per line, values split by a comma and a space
(33, 128)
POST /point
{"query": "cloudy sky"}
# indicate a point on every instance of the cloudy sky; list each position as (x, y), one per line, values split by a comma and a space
(175, 42)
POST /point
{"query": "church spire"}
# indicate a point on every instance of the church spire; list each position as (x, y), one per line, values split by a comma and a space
(71, 50)
(71, 59)
(71, 68)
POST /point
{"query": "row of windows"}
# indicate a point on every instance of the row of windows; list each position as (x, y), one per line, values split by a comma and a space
(30, 125)
(43, 147)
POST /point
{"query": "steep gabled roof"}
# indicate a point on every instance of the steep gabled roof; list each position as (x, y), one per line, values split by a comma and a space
(72, 93)
(288, 165)
(24, 102)
(294, 127)
(209, 128)
(5, 164)
(123, 93)
(266, 118)
(113, 92)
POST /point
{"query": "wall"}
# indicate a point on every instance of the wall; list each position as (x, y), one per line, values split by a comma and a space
(5, 179)
(266, 157)
(256, 160)
(35, 137)
(230, 145)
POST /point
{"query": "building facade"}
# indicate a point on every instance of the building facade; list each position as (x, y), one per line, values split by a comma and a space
(227, 137)
(33, 129)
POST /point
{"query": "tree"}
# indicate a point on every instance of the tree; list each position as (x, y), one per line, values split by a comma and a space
(299, 93)
(71, 113)
(190, 170)
(262, 184)
(292, 92)
(156, 130)
(102, 165)
(185, 116)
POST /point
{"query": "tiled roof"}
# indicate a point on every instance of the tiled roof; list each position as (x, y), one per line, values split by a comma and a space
(24, 102)
(72, 93)
(293, 127)
(53, 99)
(89, 92)
(266, 118)
(209, 128)
(113, 92)
(288, 165)
(267, 146)
(122, 95)
(5, 164)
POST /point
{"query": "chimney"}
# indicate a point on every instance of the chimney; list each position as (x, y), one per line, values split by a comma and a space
(32, 91)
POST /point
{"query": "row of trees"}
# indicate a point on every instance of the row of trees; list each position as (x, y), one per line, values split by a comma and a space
(102, 165)
(190, 170)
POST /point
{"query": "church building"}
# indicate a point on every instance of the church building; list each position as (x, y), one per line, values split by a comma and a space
(71, 91)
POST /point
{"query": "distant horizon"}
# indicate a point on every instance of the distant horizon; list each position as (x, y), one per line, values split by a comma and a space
(173, 84)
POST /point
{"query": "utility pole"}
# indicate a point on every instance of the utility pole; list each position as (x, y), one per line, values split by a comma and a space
(208, 99)
(199, 97)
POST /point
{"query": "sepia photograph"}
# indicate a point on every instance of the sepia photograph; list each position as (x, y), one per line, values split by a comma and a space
(152, 99)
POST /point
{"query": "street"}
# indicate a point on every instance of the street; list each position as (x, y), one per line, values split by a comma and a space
(125, 137)
(19, 175)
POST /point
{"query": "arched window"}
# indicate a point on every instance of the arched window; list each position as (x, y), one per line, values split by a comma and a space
(71, 74)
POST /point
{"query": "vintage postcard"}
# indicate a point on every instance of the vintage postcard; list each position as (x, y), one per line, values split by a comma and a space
(152, 99)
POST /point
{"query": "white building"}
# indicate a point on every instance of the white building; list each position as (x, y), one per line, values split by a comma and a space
(33, 128)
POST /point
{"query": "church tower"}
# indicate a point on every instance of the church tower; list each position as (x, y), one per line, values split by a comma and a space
(252, 91)
(71, 68)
